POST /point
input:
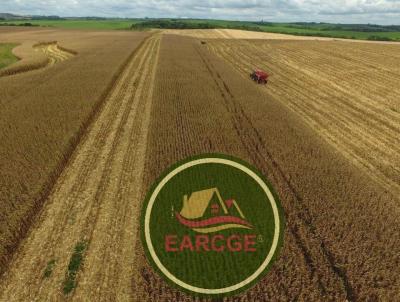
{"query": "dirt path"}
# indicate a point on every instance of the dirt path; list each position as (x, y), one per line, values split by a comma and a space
(94, 201)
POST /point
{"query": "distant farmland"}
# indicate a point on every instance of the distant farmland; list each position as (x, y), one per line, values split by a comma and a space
(75, 24)
(346, 31)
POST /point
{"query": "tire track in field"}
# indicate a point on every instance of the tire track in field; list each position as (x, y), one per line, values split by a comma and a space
(318, 259)
(95, 200)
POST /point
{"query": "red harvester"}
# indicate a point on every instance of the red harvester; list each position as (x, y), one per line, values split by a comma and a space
(261, 77)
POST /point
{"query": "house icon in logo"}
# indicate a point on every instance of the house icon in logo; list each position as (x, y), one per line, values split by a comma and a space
(206, 211)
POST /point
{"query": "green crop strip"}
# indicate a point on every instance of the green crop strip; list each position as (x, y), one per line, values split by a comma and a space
(49, 268)
(73, 267)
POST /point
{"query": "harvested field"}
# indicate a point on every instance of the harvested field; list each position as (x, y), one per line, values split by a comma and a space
(43, 115)
(323, 131)
(238, 34)
(348, 95)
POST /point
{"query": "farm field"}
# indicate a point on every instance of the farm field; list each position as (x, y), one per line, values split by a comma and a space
(324, 131)
(370, 32)
(329, 80)
(118, 24)
(330, 250)
(245, 34)
(43, 114)
(35, 56)
(349, 95)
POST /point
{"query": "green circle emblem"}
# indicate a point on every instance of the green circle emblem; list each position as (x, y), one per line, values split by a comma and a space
(212, 225)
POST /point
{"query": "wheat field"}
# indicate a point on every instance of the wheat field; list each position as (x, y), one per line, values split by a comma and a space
(85, 134)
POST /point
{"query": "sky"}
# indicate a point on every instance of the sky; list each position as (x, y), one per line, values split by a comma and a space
(340, 11)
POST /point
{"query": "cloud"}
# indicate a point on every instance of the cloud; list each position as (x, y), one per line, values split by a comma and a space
(341, 11)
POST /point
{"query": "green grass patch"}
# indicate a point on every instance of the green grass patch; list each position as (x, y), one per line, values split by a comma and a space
(49, 268)
(6, 55)
(73, 267)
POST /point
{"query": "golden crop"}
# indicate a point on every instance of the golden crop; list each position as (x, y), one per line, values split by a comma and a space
(43, 114)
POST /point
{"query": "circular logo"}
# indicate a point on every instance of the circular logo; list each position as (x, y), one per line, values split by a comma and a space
(212, 225)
